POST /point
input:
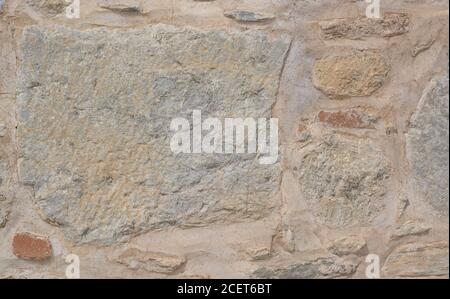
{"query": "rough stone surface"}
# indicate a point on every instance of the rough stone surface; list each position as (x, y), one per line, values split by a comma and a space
(344, 182)
(348, 245)
(418, 260)
(100, 160)
(409, 228)
(356, 75)
(351, 118)
(151, 261)
(391, 24)
(30, 246)
(427, 144)
(320, 268)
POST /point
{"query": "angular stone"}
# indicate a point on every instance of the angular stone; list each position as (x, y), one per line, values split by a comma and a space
(350, 118)
(427, 145)
(248, 16)
(344, 182)
(30, 246)
(409, 228)
(100, 160)
(151, 261)
(356, 75)
(418, 260)
(348, 245)
(391, 24)
(320, 268)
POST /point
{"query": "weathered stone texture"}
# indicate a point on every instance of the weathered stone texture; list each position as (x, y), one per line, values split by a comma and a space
(418, 260)
(94, 115)
(351, 118)
(391, 24)
(356, 75)
(344, 182)
(427, 144)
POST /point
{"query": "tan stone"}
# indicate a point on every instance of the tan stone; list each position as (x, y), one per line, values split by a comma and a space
(356, 75)
(350, 118)
(348, 245)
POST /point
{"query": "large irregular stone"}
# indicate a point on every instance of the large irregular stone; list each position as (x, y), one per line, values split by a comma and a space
(320, 268)
(356, 75)
(151, 261)
(344, 182)
(427, 144)
(417, 260)
(391, 24)
(95, 109)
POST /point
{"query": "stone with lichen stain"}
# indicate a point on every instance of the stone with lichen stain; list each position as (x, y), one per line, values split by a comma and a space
(135, 258)
(427, 145)
(106, 170)
(348, 245)
(248, 16)
(418, 260)
(344, 182)
(355, 75)
(391, 24)
(30, 246)
(350, 118)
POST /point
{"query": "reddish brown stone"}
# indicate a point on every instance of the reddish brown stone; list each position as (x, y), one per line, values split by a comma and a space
(29, 246)
(347, 119)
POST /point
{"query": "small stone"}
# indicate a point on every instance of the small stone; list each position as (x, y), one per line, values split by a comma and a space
(3, 129)
(418, 260)
(131, 6)
(49, 7)
(29, 246)
(162, 263)
(259, 254)
(409, 228)
(349, 245)
(421, 47)
(320, 268)
(356, 75)
(4, 209)
(391, 24)
(351, 118)
(248, 16)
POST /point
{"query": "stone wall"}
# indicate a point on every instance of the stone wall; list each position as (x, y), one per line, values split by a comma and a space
(85, 160)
